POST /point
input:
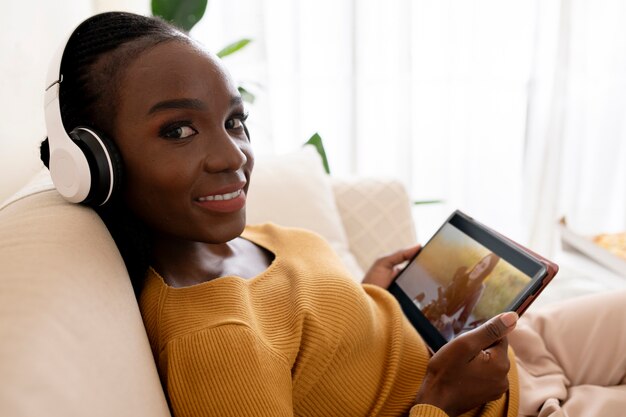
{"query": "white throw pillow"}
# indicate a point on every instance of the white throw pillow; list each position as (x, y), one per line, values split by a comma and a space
(294, 190)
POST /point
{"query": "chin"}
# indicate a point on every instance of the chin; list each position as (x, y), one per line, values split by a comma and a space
(226, 230)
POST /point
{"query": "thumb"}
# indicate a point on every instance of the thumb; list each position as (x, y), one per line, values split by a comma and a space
(491, 331)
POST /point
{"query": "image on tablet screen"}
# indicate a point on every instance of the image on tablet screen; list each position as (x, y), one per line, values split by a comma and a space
(458, 283)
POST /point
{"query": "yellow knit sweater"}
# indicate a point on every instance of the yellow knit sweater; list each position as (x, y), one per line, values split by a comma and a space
(299, 339)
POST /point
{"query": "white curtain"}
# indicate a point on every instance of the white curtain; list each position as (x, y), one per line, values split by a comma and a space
(576, 134)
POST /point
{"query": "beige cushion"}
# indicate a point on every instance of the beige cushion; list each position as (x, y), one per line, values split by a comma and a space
(376, 215)
(294, 190)
(72, 341)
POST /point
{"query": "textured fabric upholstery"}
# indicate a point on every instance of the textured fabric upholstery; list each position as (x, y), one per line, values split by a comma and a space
(376, 215)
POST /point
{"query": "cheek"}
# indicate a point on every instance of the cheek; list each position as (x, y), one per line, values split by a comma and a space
(154, 191)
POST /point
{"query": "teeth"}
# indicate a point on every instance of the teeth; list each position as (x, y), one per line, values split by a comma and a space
(221, 197)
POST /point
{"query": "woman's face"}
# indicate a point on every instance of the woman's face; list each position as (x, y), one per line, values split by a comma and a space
(479, 268)
(179, 128)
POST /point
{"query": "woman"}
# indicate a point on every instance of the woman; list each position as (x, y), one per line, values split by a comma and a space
(450, 311)
(256, 320)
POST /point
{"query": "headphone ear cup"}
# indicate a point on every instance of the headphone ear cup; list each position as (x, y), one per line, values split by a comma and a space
(105, 164)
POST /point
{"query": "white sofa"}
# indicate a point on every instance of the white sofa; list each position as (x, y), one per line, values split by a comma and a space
(72, 342)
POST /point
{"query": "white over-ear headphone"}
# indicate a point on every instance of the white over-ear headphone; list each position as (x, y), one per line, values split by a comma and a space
(85, 166)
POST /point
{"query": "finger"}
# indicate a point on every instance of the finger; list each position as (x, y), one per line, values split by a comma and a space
(495, 351)
(494, 361)
(396, 270)
(412, 251)
(489, 333)
(400, 256)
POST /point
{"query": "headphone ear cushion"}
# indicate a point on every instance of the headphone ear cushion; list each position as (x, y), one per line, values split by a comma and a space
(117, 163)
(105, 164)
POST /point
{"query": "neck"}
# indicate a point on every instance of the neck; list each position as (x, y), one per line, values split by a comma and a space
(183, 262)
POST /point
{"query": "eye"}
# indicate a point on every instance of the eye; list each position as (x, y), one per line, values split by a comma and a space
(178, 131)
(236, 122)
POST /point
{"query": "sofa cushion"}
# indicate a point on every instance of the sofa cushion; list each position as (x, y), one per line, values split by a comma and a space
(376, 214)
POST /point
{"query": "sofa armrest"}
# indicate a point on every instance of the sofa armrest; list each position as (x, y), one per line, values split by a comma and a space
(376, 215)
(72, 341)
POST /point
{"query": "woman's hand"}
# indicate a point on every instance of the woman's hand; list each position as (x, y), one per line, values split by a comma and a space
(385, 269)
(471, 370)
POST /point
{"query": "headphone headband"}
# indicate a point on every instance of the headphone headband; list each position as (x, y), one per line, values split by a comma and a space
(54, 68)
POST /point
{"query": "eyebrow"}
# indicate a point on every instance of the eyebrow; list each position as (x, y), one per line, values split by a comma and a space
(187, 103)
(181, 103)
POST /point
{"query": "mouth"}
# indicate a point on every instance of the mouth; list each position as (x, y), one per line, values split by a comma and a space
(229, 202)
(221, 197)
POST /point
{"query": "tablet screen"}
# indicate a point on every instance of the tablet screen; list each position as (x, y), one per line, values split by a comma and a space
(465, 275)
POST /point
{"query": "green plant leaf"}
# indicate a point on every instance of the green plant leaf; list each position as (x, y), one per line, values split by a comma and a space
(246, 95)
(316, 140)
(182, 13)
(233, 47)
(419, 202)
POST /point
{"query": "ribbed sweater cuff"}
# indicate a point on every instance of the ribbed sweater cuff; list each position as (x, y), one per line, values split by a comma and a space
(427, 410)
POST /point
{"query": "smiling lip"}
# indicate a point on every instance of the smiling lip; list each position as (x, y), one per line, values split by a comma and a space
(226, 202)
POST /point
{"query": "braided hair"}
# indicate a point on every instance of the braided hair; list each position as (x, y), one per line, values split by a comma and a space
(93, 62)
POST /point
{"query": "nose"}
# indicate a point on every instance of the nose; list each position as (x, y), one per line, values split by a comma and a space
(224, 153)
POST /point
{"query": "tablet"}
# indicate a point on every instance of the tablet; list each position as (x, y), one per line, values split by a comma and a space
(464, 275)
